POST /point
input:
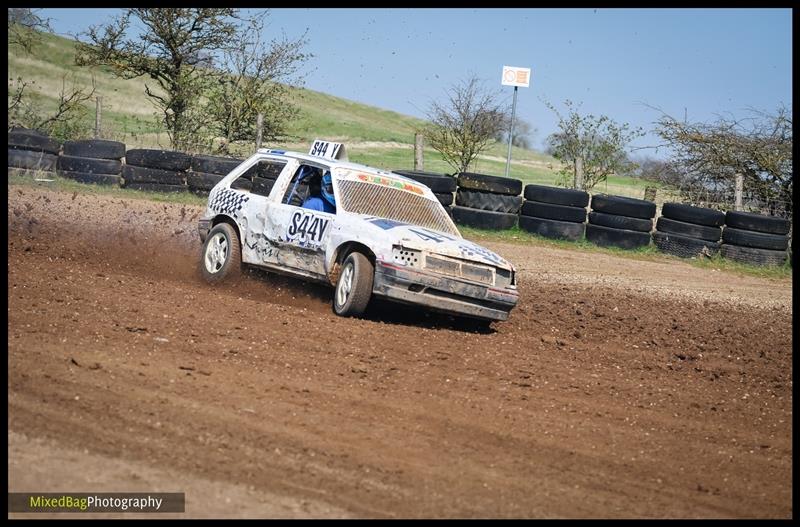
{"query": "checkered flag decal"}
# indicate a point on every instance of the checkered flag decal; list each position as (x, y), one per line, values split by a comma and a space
(228, 201)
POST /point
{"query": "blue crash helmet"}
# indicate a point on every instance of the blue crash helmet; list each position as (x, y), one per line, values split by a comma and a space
(327, 188)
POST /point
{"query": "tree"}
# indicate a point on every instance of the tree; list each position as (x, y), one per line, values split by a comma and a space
(524, 133)
(173, 42)
(598, 142)
(257, 80)
(25, 27)
(67, 121)
(759, 147)
(659, 171)
(465, 125)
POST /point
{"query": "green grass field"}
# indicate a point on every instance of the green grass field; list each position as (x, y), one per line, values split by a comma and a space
(373, 136)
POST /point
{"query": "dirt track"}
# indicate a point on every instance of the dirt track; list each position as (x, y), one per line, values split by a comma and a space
(628, 389)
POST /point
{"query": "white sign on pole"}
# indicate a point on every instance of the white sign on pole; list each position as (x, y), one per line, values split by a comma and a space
(513, 76)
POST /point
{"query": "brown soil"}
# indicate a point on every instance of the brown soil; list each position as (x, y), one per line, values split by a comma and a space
(618, 388)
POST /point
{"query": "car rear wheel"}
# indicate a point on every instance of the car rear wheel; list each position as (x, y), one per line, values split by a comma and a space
(354, 287)
(221, 257)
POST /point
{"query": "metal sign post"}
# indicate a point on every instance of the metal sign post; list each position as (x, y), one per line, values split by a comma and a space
(511, 131)
(515, 77)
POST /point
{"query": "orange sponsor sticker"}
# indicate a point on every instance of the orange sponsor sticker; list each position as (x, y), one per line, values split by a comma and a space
(393, 183)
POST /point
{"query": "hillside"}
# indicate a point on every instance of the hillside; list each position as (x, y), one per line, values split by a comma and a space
(373, 135)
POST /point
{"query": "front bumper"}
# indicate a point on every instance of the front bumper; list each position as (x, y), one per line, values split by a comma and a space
(442, 293)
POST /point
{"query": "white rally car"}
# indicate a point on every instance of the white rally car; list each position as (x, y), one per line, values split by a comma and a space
(389, 237)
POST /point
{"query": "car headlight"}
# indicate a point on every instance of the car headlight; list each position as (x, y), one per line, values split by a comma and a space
(505, 277)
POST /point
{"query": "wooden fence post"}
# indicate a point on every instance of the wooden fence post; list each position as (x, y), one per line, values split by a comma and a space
(578, 184)
(418, 163)
(97, 119)
(259, 129)
(737, 192)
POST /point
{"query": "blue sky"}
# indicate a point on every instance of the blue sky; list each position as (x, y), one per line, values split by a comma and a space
(614, 61)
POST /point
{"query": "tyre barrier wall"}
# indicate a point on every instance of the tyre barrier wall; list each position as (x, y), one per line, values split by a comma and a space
(487, 202)
(755, 239)
(30, 151)
(552, 212)
(471, 199)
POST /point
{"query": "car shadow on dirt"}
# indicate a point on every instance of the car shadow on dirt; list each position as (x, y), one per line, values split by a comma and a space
(387, 312)
(318, 298)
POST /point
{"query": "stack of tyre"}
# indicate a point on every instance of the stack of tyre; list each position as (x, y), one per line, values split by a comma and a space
(754, 238)
(207, 171)
(487, 202)
(688, 231)
(554, 212)
(31, 151)
(94, 161)
(442, 185)
(618, 221)
(156, 170)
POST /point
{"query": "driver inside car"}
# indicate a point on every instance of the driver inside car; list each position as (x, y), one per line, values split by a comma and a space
(321, 196)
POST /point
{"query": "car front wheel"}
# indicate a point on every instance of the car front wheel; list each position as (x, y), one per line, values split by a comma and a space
(354, 287)
(221, 257)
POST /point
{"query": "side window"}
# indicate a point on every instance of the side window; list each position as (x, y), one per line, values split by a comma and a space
(263, 176)
(245, 181)
(299, 187)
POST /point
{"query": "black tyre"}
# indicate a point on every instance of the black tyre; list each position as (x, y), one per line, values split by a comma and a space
(557, 196)
(691, 214)
(752, 256)
(551, 211)
(477, 199)
(31, 160)
(622, 238)
(214, 164)
(683, 246)
(95, 148)
(445, 199)
(757, 222)
(133, 174)
(702, 232)
(623, 206)
(24, 139)
(221, 256)
(163, 159)
(438, 183)
(89, 165)
(496, 184)
(562, 230)
(91, 178)
(202, 181)
(354, 286)
(155, 187)
(262, 186)
(483, 219)
(620, 222)
(756, 240)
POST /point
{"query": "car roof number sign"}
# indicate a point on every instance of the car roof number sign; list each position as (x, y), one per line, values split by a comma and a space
(328, 150)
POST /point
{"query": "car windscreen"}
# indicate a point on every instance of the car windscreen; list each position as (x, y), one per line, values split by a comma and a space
(385, 200)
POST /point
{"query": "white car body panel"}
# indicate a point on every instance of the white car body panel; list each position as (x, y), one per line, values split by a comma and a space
(306, 243)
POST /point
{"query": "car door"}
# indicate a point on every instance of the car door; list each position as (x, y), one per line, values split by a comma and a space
(298, 234)
(259, 180)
